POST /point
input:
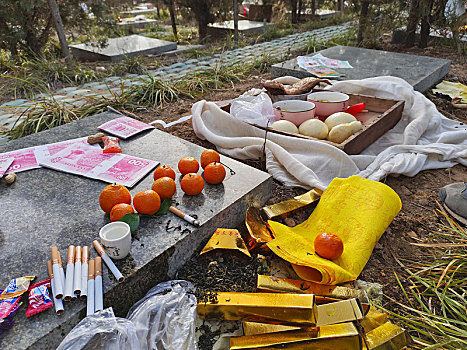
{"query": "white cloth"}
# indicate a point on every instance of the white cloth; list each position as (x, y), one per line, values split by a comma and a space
(423, 139)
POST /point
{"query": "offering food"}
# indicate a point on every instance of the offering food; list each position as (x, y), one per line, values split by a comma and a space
(147, 202)
(339, 118)
(111, 144)
(340, 133)
(303, 86)
(112, 195)
(314, 128)
(329, 246)
(120, 210)
(165, 187)
(209, 156)
(192, 184)
(164, 170)
(285, 125)
(328, 102)
(214, 173)
(39, 298)
(188, 165)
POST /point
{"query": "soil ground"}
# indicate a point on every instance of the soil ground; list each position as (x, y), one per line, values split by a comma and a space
(417, 222)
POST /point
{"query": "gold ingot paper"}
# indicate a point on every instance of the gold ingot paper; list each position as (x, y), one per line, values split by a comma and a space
(283, 308)
(225, 238)
(387, 337)
(334, 337)
(333, 293)
(258, 229)
(373, 319)
(253, 328)
(338, 312)
(290, 205)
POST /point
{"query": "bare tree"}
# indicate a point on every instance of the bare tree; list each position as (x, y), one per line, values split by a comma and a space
(202, 11)
(363, 20)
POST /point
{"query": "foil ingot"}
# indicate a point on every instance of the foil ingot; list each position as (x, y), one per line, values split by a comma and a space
(373, 319)
(387, 337)
(333, 293)
(252, 328)
(259, 230)
(224, 238)
(290, 205)
(333, 337)
(283, 308)
(338, 312)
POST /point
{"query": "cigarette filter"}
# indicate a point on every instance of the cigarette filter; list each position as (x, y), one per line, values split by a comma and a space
(56, 271)
(77, 271)
(290, 205)
(98, 296)
(387, 337)
(338, 312)
(332, 337)
(70, 267)
(90, 298)
(289, 309)
(332, 293)
(84, 272)
(110, 264)
(57, 302)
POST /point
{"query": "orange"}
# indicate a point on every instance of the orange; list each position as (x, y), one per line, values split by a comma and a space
(164, 170)
(113, 194)
(188, 165)
(214, 173)
(165, 187)
(209, 156)
(120, 210)
(329, 246)
(192, 184)
(147, 202)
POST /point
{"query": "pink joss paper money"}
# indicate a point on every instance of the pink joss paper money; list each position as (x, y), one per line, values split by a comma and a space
(124, 127)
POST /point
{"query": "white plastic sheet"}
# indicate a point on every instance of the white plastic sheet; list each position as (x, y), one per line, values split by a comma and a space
(253, 109)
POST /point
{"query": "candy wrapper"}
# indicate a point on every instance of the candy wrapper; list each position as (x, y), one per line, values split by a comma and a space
(11, 295)
(39, 298)
(7, 323)
(111, 144)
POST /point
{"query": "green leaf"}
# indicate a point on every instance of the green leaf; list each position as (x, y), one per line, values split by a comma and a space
(165, 205)
(131, 219)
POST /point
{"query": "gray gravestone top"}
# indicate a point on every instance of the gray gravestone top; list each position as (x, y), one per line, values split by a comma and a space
(118, 48)
(420, 71)
(242, 25)
(44, 208)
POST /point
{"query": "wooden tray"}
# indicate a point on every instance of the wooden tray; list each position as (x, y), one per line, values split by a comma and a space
(382, 115)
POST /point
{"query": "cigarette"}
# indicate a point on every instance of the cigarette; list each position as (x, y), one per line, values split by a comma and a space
(184, 216)
(57, 302)
(77, 276)
(98, 296)
(90, 299)
(70, 267)
(61, 272)
(110, 264)
(56, 271)
(84, 272)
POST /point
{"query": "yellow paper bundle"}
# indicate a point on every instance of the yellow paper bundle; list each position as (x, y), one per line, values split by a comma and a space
(358, 210)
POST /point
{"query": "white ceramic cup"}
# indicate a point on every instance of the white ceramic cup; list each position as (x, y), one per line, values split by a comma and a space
(116, 239)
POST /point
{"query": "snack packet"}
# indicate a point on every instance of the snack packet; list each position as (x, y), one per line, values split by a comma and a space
(11, 295)
(39, 298)
(7, 323)
(111, 144)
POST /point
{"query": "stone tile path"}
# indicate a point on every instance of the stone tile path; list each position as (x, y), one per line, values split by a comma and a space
(15, 111)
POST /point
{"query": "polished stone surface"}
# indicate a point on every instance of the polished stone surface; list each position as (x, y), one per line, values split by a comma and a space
(244, 27)
(420, 71)
(46, 207)
(118, 48)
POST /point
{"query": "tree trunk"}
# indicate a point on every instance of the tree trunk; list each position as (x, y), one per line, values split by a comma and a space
(202, 29)
(414, 16)
(235, 16)
(363, 19)
(425, 26)
(158, 8)
(293, 4)
(299, 11)
(313, 8)
(172, 18)
(60, 32)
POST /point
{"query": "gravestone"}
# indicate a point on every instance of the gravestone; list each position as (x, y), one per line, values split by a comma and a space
(244, 27)
(46, 207)
(420, 71)
(118, 48)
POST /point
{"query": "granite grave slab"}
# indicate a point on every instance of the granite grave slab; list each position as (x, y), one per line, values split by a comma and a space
(118, 48)
(45, 208)
(244, 27)
(419, 71)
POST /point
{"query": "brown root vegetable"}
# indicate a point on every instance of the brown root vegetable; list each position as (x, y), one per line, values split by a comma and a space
(300, 87)
(10, 178)
(96, 138)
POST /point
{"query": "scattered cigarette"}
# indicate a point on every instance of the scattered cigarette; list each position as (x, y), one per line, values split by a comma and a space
(77, 276)
(184, 216)
(57, 302)
(61, 271)
(56, 272)
(70, 267)
(98, 296)
(110, 264)
(84, 272)
(90, 299)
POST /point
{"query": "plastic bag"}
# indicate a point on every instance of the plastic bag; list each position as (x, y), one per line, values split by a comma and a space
(102, 330)
(253, 109)
(165, 317)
